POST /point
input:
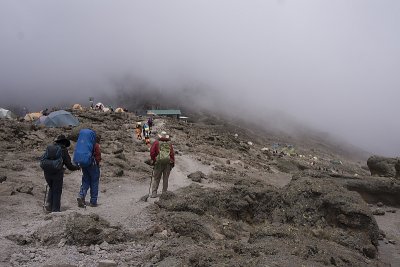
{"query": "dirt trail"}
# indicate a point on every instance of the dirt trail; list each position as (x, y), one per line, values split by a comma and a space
(389, 248)
(119, 201)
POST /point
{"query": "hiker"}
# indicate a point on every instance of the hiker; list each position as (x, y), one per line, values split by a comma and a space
(138, 130)
(150, 123)
(163, 160)
(52, 163)
(45, 112)
(89, 156)
(146, 134)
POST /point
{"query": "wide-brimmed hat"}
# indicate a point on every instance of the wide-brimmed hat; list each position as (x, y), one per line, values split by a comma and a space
(163, 135)
(63, 140)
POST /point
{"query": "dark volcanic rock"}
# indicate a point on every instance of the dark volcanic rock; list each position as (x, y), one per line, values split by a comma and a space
(381, 166)
(196, 176)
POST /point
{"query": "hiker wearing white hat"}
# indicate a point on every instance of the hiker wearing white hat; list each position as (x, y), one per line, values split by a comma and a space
(163, 159)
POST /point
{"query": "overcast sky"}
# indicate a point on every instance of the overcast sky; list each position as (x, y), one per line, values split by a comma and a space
(334, 65)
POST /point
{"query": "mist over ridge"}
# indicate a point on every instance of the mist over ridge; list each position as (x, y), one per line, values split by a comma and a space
(330, 65)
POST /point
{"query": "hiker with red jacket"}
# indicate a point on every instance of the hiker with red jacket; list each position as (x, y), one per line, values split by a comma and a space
(91, 171)
(52, 163)
(163, 159)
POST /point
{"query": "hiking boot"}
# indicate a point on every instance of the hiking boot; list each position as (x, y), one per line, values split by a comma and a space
(153, 195)
(92, 205)
(47, 207)
(81, 202)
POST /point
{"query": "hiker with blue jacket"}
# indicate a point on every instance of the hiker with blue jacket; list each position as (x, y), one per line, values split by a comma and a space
(52, 163)
(88, 155)
(163, 158)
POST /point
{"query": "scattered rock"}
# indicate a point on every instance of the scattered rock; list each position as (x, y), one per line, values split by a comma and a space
(196, 176)
(370, 251)
(119, 150)
(3, 178)
(119, 172)
(393, 242)
(107, 263)
(60, 265)
(378, 212)
(7, 189)
(379, 204)
(19, 239)
(104, 245)
(120, 156)
(381, 166)
(25, 189)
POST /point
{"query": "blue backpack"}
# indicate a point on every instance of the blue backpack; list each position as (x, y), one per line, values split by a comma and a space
(83, 154)
(51, 161)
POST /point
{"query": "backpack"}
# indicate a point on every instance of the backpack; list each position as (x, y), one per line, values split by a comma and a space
(83, 154)
(51, 161)
(163, 155)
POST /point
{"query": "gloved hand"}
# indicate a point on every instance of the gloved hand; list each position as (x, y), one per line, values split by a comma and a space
(152, 162)
(172, 164)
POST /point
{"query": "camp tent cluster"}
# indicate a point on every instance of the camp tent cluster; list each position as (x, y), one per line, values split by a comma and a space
(60, 118)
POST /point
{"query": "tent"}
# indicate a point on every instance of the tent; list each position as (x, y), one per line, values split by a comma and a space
(59, 118)
(41, 120)
(119, 110)
(5, 113)
(32, 116)
(99, 106)
(77, 107)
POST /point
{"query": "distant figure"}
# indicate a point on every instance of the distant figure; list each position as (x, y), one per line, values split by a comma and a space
(138, 130)
(45, 112)
(52, 162)
(163, 159)
(146, 134)
(150, 123)
(91, 170)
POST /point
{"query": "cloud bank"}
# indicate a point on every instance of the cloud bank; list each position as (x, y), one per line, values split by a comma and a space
(329, 64)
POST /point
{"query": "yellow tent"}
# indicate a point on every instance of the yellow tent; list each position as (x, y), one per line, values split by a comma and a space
(32, 116)
(77, 107)
(119, 110)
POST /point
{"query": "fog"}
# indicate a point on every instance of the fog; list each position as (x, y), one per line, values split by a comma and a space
(333, 65)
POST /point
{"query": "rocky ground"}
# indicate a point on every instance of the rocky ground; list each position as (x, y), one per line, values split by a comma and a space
(237, 198)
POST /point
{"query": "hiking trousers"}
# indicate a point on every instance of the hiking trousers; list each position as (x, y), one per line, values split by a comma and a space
(160, 170)
(90, 179)
(55, 182)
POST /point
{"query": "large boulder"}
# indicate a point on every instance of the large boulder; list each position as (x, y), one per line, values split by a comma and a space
(397, 168)
(382, 166)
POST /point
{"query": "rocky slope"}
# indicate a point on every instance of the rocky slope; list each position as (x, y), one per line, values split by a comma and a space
(251, 199)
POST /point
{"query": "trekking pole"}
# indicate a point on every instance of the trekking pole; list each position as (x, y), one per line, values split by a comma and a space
(45, 196)
(145, 198)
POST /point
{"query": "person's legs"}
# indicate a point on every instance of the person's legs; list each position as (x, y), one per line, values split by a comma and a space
(84, 187)
(166, 173)
(57, 191)
(49, 201)
(94, 183)
(156, 180)
(85, 182)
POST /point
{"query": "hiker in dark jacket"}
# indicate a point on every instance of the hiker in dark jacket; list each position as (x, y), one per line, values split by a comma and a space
(91, 178)
(163, 158)
(55, 180)
(150, 124)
